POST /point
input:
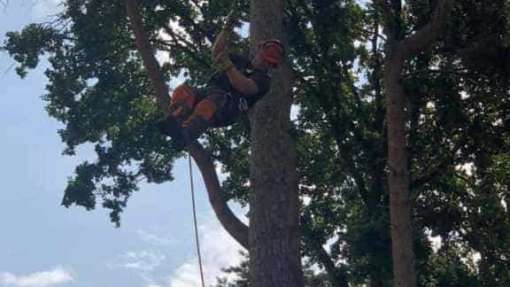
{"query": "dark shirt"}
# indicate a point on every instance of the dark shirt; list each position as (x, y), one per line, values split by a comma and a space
(261, 78)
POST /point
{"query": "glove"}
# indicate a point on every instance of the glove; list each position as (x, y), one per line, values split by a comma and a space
(220, 44)
(223, 37)
(223, 62)
(229, 21)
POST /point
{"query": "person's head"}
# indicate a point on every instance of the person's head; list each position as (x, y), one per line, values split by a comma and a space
(269, 54)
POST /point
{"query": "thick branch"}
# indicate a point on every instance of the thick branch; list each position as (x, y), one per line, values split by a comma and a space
(144, 47)
(426, 35)
(230, 222)
(178, 38)
(337, 276)
(388, 16)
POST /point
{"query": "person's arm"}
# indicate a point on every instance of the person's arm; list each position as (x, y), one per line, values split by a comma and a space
(220, 43)
(240, 82)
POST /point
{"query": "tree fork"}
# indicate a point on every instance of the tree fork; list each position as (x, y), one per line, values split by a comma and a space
(398, 51)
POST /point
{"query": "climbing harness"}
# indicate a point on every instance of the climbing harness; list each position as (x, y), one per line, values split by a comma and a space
(195, 222)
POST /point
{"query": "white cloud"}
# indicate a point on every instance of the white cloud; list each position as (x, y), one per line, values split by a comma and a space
(42, 9)
(144, 261)
(219, 250)
(155, 239)
(37, 279)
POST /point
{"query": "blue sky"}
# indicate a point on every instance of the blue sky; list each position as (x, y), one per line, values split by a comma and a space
(45, 244)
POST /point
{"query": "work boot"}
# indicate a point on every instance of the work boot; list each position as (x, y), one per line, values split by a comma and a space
(172, 128)
(172, 124)
(193, 128)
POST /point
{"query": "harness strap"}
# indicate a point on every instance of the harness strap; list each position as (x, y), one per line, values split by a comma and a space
(243, 104)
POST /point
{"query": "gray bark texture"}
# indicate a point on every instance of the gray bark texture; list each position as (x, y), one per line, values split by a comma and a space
(398, 51)
(275, 259)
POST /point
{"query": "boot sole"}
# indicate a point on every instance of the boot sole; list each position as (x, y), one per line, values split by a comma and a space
(170, 127)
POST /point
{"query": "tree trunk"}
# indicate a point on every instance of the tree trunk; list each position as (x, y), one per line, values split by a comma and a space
(275, 258)
(398, 50)
(398, 179)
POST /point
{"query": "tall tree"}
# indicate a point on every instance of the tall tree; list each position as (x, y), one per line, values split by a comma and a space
(456, 101)
(275, 257)
(91, 76)
(399, 49)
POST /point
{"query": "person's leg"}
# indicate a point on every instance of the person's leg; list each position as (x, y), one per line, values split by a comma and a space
(204, 114)
(182, 102)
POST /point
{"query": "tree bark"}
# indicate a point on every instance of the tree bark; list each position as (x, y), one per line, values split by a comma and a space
(147, 53)
(398, 179)
(227, 218)
(275, 258)
(397, 52)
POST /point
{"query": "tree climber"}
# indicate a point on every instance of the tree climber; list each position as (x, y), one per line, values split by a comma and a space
(236, 86)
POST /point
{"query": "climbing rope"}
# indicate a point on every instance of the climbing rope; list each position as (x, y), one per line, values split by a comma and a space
(195, 222)
(230, 18)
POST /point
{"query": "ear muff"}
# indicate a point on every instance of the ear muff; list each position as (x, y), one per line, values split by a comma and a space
(273, 52)
(183, 94)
